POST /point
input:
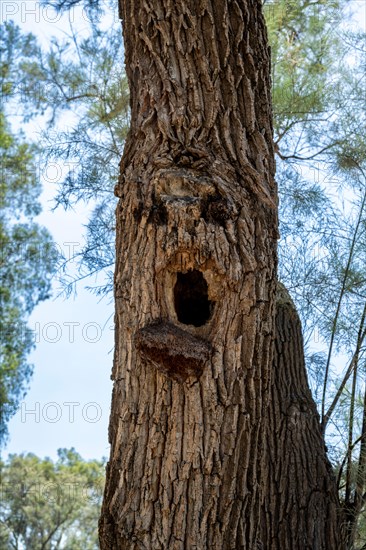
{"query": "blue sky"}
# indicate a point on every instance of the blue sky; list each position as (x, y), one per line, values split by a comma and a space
(69, 398)
(68, 402)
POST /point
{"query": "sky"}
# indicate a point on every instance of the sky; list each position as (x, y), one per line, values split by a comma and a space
(68, 402)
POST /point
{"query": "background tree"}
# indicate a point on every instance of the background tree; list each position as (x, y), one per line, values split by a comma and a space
(50, 505)
(27, 252)
(82, 77)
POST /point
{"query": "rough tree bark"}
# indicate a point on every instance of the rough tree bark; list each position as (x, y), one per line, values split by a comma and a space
(195, 281)
(301, 506)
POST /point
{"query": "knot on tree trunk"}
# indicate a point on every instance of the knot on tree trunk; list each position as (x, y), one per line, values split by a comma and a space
(175, 352)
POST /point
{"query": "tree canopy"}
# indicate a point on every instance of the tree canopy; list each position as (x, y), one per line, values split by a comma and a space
(50, 504)
(27, 252)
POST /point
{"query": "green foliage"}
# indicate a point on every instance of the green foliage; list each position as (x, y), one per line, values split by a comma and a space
(27, 254)
(319, 120)
(305, 71)
(319, 108)
(50, 505)
(20, 71)
(81, 79)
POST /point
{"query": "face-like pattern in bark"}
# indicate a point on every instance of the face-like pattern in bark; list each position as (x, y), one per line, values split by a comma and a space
(195, 278)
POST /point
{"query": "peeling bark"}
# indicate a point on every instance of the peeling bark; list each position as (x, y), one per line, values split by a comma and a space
(174, 351)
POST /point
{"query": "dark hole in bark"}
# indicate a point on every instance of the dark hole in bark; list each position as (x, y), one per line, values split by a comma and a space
(191, 298)
(158, 214)
(215, 209)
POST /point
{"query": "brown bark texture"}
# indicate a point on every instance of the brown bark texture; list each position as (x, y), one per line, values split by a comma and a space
(195, 281)
(301, 507)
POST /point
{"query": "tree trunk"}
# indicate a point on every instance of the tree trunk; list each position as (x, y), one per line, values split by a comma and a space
(301, 507)
(195, 281)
